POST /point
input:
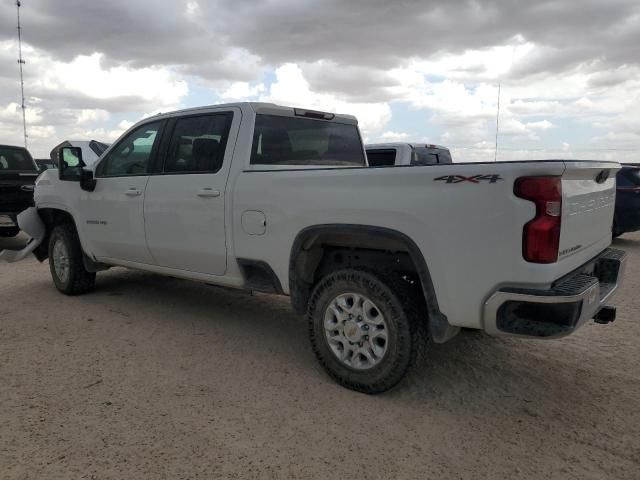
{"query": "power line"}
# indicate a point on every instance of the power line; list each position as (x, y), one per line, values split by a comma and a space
(495, 156)
(21, 62)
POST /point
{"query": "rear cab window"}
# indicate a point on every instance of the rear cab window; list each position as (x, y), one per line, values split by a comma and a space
(16, 160)
(381, 157)
(430, 156)
(295, 141)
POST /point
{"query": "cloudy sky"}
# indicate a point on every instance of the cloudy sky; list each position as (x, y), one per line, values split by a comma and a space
(410, 70)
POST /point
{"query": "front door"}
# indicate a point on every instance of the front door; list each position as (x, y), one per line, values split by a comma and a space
(113, 213)
(184, 206)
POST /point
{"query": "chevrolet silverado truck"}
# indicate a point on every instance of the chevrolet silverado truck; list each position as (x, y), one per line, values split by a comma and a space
(382, 261)
(18, 174)
(388, 154)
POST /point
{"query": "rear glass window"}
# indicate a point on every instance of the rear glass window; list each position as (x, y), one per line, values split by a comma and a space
(16, 160)
(301, 141)
(429, 156)
(381, 158)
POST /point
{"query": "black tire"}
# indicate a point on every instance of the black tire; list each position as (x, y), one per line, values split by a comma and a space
(400, 309)
(9, 232)
(78, 280)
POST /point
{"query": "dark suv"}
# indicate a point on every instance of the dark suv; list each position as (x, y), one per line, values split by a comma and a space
(18, 173)
(627, 214)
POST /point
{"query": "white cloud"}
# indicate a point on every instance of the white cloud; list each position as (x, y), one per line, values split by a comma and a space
(292, 88)
(85, 75)
(242, 91)
(89, 116)
(390, 136)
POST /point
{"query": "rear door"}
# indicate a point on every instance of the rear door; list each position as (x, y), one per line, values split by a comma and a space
(184, 206)
(588, 202)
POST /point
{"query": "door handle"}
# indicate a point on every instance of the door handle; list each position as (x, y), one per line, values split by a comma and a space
(133, 192)
(208, 192)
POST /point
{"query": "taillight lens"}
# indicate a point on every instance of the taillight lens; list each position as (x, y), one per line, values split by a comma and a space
(541, 236)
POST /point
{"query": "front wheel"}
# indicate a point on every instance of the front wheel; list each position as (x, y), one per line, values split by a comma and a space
(65, 262)
(364, 330)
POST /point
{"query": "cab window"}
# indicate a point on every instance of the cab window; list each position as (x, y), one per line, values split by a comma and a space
(198, 144)
(132, 155)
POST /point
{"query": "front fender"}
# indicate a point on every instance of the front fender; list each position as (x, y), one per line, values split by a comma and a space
(29, 222)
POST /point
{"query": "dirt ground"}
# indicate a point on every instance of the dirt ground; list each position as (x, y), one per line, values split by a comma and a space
(153, 377)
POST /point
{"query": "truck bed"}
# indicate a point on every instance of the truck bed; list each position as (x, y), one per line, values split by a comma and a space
(465, 218)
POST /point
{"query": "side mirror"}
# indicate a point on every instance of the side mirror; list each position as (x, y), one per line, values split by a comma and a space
(70, 164)
(87, 182)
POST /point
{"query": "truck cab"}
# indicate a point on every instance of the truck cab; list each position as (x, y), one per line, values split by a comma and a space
(394, 154)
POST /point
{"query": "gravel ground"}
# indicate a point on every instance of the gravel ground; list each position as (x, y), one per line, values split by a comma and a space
(153, 377)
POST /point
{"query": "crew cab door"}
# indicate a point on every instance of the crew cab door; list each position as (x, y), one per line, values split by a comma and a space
(112, 215)
(184, 206)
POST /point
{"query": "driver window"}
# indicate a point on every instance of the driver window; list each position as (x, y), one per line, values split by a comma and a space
(132, 155)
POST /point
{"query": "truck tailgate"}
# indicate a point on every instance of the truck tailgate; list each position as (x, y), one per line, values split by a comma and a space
(588, 201)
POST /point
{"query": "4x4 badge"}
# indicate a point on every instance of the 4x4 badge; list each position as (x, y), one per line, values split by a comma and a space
(473, 179)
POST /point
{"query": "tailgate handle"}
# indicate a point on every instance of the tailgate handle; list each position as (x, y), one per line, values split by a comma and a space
(133, 192)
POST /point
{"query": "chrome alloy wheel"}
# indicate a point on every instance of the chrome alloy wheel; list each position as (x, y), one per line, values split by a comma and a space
(356, 331)
(61, 262)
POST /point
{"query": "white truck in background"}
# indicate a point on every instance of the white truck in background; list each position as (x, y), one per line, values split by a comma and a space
(380, 260)
(404, 154)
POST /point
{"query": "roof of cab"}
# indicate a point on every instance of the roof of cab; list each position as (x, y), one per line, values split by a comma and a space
(257, 107)
(405, 144)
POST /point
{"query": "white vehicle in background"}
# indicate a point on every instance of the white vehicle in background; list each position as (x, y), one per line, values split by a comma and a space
(381, 260)
(387, 154)
(91, 150)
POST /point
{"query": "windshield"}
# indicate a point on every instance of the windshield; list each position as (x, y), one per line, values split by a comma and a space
(15, 160)
(301, 141)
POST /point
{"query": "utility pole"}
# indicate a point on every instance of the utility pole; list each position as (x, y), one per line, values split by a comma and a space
(495, 156)
(21, 62)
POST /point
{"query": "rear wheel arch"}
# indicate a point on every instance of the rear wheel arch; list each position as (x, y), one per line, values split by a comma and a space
(312, 244)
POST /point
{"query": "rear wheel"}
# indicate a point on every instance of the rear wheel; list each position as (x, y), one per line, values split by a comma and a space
(363, 330)
(65, 262)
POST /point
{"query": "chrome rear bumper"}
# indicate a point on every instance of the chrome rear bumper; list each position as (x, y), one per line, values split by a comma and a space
(571, 301)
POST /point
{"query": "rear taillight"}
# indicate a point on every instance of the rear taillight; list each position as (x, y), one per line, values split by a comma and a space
(541, 236)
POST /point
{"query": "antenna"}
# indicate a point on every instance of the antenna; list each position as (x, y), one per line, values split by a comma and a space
(21, 62)
(495, 156)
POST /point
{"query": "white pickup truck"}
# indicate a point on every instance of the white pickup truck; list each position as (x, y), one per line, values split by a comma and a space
(403, 154)
(381, 260)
